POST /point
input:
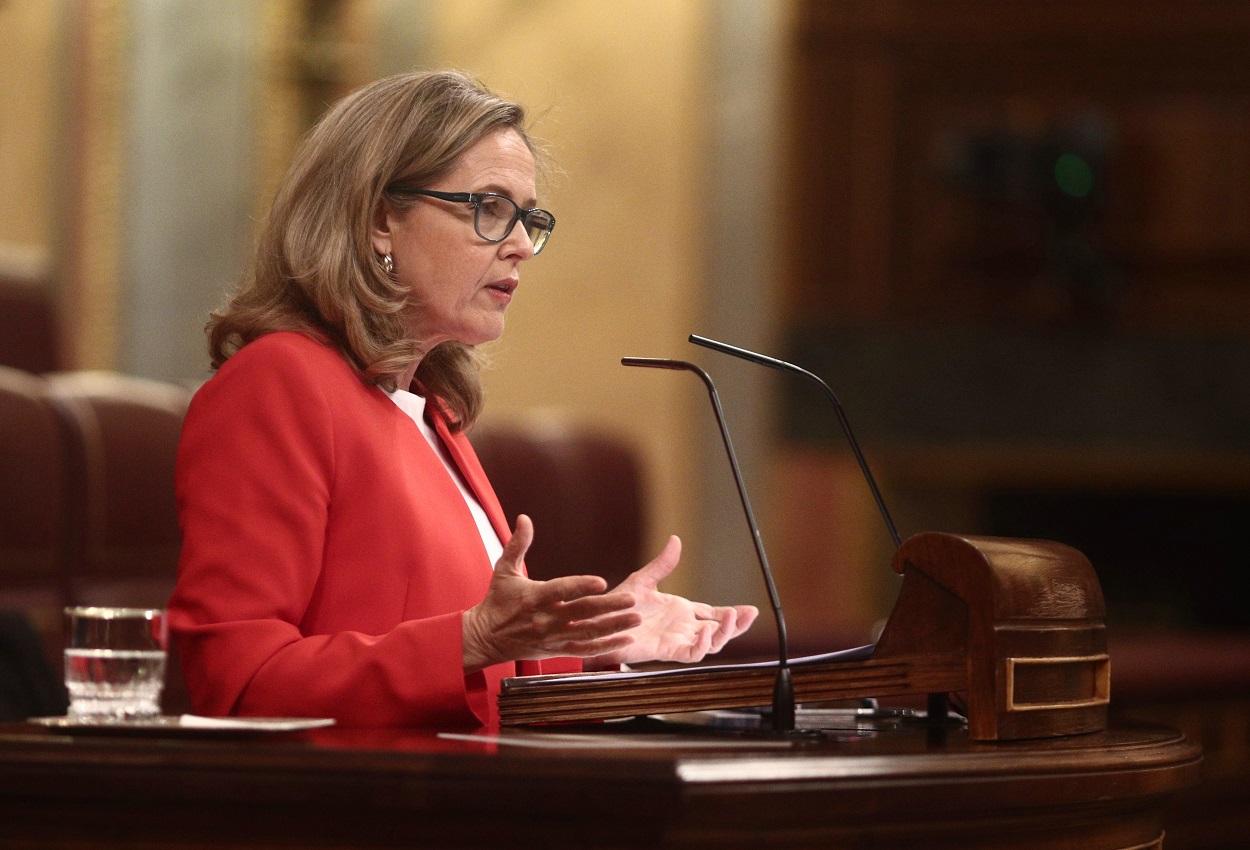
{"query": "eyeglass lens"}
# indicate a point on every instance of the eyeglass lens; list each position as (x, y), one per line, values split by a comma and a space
(496, 215)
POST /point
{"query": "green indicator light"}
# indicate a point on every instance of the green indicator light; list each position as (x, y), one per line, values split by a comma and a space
(1074, 176)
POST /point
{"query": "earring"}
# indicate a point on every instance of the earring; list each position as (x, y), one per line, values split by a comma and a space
(388, 263)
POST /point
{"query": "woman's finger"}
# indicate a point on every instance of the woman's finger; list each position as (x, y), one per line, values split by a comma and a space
(726, 629)
(513, 555)
(746, 617)
(568, 588)
(703, 611)
(595, 605)
(659, 567)
(702, 642)
(601, 626)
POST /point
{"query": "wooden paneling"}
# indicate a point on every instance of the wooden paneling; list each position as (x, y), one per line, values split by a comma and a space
(891, 100)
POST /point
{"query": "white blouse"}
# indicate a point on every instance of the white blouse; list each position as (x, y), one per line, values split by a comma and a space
(414, 406)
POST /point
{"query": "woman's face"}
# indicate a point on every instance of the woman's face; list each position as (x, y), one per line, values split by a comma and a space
(461, 284)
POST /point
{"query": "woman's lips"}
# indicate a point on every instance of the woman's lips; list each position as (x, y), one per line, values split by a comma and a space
(503, 289)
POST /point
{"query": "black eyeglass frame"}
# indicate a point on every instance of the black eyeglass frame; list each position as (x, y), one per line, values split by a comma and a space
(519, 213)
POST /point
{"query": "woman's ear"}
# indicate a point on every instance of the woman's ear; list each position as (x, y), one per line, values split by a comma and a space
(380, 232)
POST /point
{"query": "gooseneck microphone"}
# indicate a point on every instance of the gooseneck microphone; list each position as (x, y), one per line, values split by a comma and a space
(782, 365)
(783, 687)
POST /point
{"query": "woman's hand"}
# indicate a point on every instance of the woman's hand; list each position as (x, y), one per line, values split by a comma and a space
(525, 619)
(672, 628)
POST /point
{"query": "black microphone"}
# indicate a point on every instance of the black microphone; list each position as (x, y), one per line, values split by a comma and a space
(782, 365)
(783, 687)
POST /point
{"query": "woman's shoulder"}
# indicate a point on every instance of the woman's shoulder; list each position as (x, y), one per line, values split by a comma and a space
(277, 397)
(281, 365)
(289, 354)
(285, 346)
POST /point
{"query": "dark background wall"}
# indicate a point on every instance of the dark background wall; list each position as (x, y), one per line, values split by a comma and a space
(1018, 243)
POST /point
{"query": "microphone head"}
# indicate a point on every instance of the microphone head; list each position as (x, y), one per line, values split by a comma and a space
(657, 363)
(743, 353)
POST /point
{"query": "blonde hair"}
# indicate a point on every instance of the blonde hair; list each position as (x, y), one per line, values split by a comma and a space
(315, 270)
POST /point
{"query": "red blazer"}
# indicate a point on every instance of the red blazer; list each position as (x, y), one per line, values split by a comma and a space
(327, 556)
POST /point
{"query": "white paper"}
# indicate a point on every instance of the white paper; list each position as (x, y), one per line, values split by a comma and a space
(596, 741)
(272, 724)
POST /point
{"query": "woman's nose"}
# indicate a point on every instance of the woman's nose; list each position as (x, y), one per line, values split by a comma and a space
(518, 242)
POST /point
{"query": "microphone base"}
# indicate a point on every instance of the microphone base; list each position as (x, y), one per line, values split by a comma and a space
(783, 700)
(810, 721)
(798, 735)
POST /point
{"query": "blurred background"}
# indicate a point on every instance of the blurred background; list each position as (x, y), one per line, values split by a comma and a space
(1015, 236)
(1016, 239)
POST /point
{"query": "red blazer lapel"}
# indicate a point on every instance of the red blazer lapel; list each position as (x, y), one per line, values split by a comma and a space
(466, 461)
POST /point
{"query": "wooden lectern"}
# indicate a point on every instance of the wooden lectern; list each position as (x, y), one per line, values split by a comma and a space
(1015, 625)
(1026, 617)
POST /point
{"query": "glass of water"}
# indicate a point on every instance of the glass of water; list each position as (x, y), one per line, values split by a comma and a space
(115, 662)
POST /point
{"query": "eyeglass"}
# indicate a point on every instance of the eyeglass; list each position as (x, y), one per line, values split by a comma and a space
(495, 215)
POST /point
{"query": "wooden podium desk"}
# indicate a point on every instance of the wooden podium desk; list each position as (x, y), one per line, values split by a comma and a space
(335, 788)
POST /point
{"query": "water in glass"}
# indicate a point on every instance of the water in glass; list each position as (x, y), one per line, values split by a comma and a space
(114, 682)
(115, 662)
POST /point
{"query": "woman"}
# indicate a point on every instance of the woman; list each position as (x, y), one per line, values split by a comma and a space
(338, 531)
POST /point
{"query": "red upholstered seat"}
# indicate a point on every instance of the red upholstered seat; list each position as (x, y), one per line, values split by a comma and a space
(121, 441)
(29, 335)
(32, 506)
(582, 488)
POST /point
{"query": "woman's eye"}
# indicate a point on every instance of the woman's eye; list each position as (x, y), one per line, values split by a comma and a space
(495, 208)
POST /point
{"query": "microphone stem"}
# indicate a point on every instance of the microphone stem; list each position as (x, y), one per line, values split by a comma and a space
(773, 597)
(784, 705)
(859, 457)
